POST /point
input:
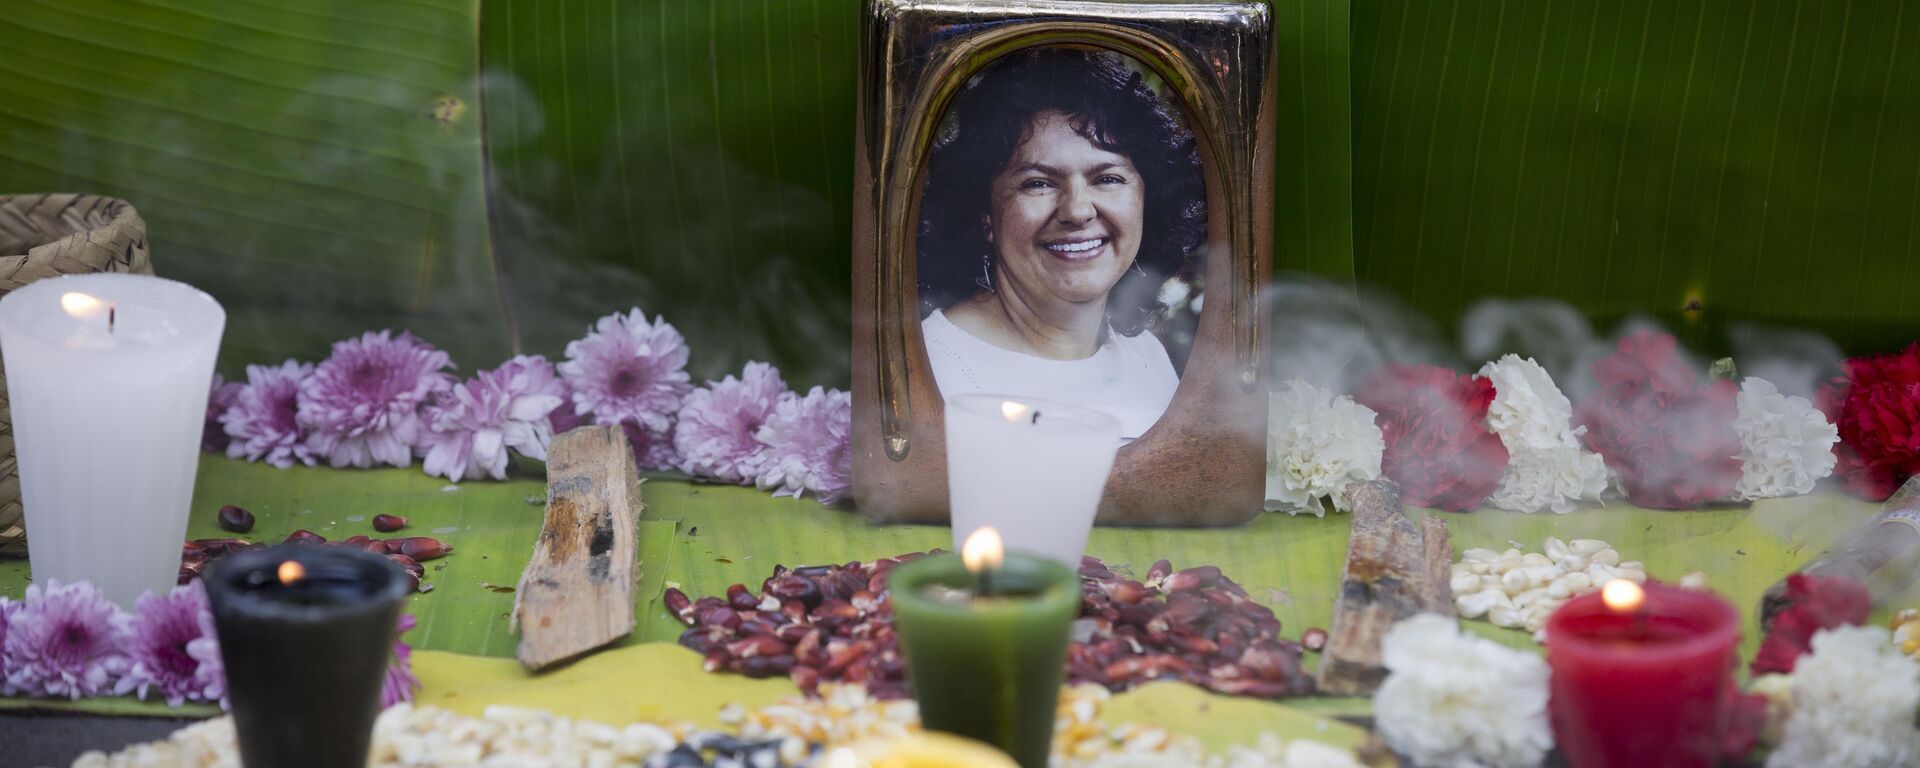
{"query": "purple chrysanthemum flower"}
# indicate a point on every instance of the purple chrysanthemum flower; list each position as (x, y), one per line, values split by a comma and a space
(164, 629)
(7, 608)
(564, 418)
(401, 682)
(220, 397)
(652, 450)
(362, 403)
(807, 448)
(535, 393)
(715, 432)
(628, 370)
(66, 640)
(211, 674)
(263, 420)
(466, 440)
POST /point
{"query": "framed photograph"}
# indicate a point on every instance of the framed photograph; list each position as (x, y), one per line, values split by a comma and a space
(1069, 201)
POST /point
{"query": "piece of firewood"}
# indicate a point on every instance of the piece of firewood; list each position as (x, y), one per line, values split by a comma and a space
(577, 592)
(1394, 570)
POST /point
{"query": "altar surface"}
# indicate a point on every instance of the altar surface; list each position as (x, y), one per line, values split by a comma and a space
(703, 537)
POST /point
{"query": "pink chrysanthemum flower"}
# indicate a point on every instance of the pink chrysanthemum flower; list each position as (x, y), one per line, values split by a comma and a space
(66, 640)
(715, 433)
(807, 448)
(628, 370)
(220, 397)
(535, 393)
(362, 403)
(164, 628)
(263, 420)
(652, 450)
(400, 682)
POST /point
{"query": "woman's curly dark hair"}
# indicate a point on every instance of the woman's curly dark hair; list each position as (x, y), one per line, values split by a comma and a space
(1115, 109)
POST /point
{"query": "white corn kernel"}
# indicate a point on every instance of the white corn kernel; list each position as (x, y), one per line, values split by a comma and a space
(1475, 605)
(1463, 582)
(1555, 549)
(1506, 564)
(1631, 565)
(1575, 582)
(1558, 590)
(1529, 598)
(1504, 617)
(1514, 581)
(1607, 556)
(1535, 558)
(1574, 562)
(1694, 580)
(1586, 546)
(1511, 552)
(1481, 554)
(1634, 576)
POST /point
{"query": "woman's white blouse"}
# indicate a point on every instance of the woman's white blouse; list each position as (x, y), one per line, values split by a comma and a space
(1130, 377)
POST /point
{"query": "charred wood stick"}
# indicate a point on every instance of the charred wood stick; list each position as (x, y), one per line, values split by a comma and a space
(1394, 570)
(576, 594)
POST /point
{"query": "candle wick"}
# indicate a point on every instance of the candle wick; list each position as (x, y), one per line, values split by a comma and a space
(1036, 418)
(985, 586)
(111, 309)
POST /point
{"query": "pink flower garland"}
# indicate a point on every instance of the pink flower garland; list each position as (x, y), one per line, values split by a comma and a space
(68, 641)
(384, 399)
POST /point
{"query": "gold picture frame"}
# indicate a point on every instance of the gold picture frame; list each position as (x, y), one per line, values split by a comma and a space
(1202, 462)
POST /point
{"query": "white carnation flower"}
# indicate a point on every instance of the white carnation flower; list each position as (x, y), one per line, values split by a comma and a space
(1452, 700)
(1316, 445)
(1546, 468)
(1853, 702)
(1550, 478)
(1786, 445)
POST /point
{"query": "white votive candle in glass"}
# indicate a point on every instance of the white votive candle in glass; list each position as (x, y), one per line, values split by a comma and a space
(107, 376)
(1034, 469)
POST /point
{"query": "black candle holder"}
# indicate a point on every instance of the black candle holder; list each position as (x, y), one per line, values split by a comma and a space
(306, 656)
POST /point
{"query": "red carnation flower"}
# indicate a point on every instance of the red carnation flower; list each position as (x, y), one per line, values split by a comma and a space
(1813, 603)
(1671, 440)
(1435, 424)
(1877, 408)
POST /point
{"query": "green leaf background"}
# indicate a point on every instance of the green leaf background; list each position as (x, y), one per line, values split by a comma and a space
(495, 175)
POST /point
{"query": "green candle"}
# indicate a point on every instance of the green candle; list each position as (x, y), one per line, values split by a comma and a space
(987, 667)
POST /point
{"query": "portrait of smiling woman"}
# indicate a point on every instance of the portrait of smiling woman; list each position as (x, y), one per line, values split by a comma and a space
(1061, 194)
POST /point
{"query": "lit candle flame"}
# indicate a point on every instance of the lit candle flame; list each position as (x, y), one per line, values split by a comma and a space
(81, 306)
(291, 571)
(982, 550)
(1622, 596)
(1014, 411)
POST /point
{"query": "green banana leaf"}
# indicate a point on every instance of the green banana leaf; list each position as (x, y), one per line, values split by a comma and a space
(317, 167)
(495, 175)
(1756, 160)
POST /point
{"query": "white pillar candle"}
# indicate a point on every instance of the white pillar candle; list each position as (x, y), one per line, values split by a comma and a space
(108, 376)
(1034, 469)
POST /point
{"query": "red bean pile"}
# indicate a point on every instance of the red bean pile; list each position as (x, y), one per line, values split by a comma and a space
(407, 552)
(834, 623)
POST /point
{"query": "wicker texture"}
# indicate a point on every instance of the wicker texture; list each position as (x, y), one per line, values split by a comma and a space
(49, 235)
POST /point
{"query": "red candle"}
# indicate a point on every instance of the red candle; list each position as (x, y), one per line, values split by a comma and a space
(1641, 677)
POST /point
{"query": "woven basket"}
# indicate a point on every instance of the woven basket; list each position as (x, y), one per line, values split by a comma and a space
(44, 236)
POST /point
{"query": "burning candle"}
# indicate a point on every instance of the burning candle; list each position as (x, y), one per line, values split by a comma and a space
(1031, 468)
(108, 378)
(305, 633)
(985, 638)
(1641, 677)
